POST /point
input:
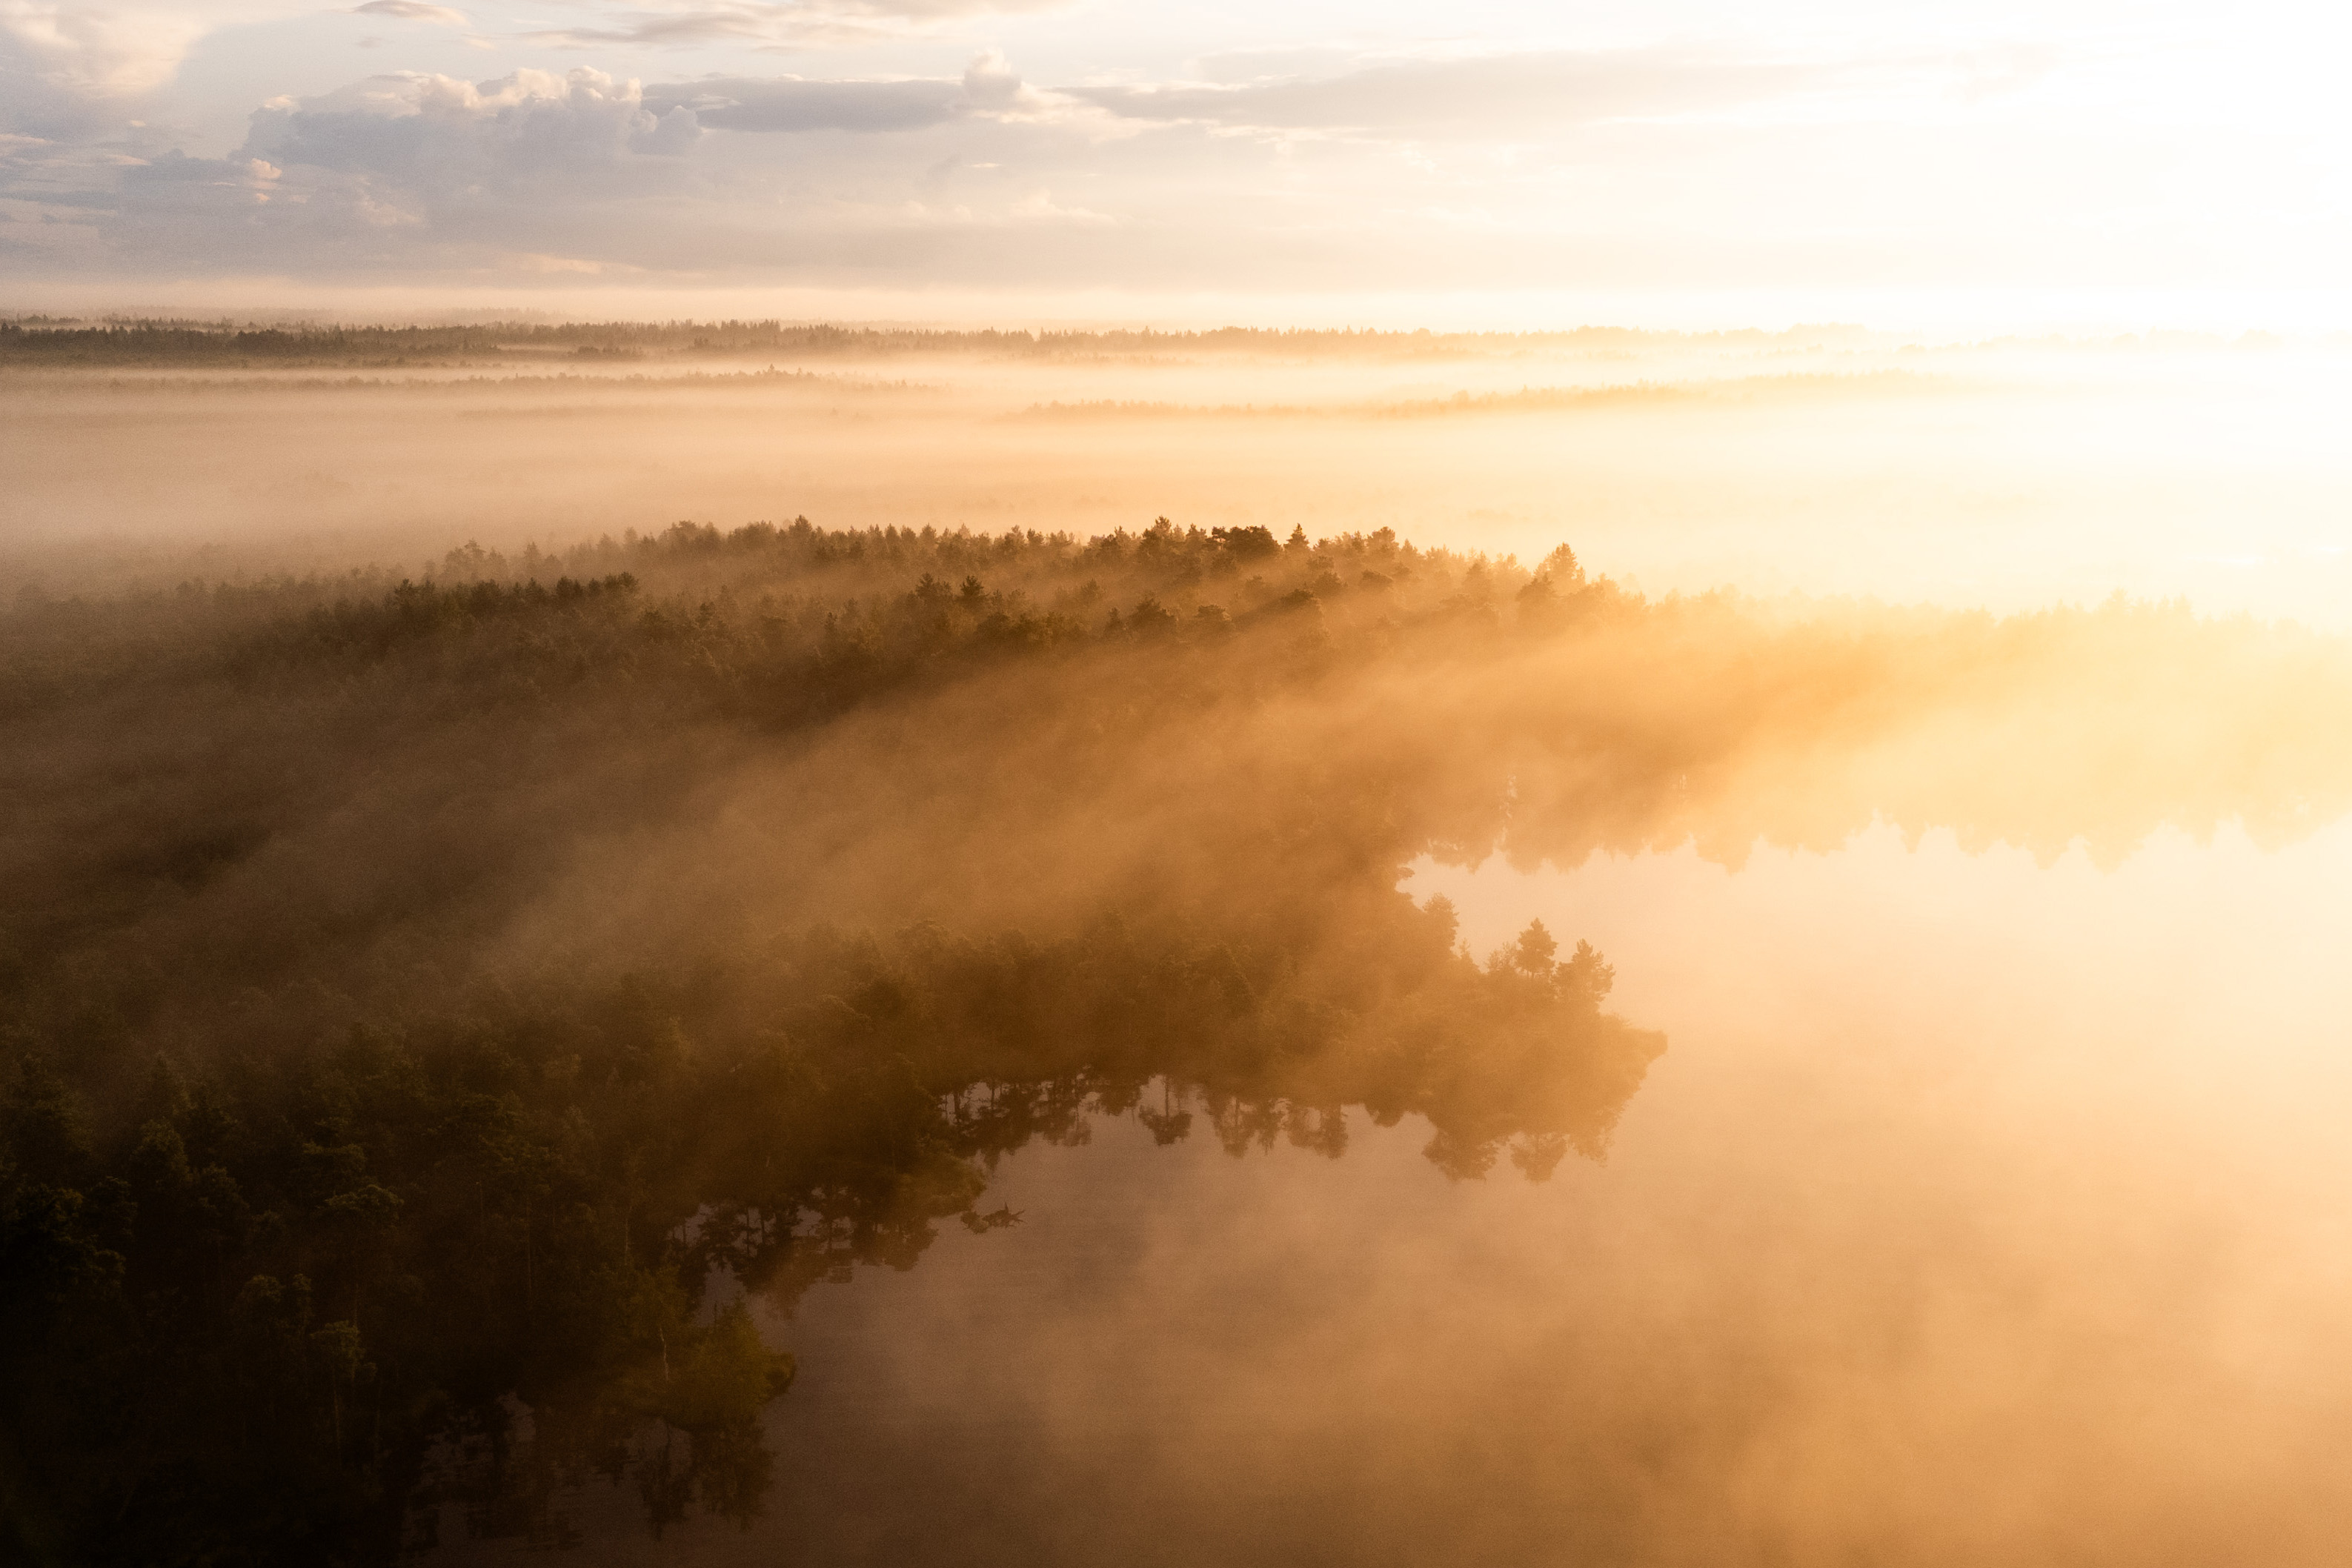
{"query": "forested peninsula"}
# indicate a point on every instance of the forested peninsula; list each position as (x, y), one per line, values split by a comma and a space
(433, 1003)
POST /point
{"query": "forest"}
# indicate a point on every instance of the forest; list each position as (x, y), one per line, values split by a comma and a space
(434, 1001)
(66, 342)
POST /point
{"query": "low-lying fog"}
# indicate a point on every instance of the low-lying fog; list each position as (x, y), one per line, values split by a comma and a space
(2007, 474)
(1981, 1210)
(496, 1017)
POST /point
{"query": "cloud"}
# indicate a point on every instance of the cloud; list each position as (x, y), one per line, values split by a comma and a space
(790, 104)
(412, 11)
(85, 50)
(414, 169)
(410, 166)
(78, 71)
(668, 31)
(805, 24)
(435, 132)
(1509, 95)
(989, 87)
(67, 71)
(1041, 204)
(1385, 171)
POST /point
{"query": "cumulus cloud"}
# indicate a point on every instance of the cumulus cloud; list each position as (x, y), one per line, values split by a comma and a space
(81, 73)
(67, 71)
(84, 50)
(991, 81)
(430, 133)
(412, 11)
(411, 167)
(541, 173)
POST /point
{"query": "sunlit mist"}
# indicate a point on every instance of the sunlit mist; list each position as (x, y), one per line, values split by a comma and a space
(901, 781)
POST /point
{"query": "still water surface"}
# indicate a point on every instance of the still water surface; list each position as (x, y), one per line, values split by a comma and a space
(1981, 1210)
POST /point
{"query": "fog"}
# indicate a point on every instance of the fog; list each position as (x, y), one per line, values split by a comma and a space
(2006, 473)
(1622, 947)
(1980, 1209)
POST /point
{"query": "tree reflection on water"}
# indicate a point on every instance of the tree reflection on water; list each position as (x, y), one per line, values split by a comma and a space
(419, 994)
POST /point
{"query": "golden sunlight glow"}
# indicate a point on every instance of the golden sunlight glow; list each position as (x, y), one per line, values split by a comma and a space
(1016, 782)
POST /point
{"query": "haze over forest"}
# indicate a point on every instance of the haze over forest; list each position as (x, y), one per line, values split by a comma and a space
(885, 782)
(478, 976)
(2008, 473)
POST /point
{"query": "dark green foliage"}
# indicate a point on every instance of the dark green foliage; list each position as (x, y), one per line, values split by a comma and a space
(250, 1359)
(391, 1069)
(417, 992)
(179, 342)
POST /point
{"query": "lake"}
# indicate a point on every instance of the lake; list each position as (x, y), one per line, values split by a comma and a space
(1979, 1209)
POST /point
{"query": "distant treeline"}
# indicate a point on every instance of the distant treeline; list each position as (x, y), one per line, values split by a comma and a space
(414, 988)
(178, 342)
(232, 380)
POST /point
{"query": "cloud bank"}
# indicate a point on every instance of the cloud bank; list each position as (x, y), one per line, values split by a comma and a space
(409, 169)
(726, 174)
(1405, 168)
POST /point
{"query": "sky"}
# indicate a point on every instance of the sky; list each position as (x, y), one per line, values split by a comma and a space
(1481, 162)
